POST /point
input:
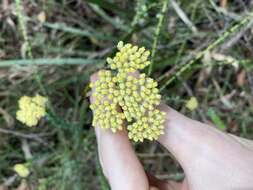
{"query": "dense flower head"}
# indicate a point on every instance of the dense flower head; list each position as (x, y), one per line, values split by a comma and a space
(127, 97)
(21, 170)
(31, 109)
(192, 103)
(129, 58)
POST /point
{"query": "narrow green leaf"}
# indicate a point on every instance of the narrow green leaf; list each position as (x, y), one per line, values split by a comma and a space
(216, 119)
(48, 61)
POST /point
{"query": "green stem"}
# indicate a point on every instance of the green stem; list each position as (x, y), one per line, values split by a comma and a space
(22, 26)
(157, 33)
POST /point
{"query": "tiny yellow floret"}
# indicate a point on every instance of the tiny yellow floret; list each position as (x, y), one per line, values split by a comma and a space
(31, 109)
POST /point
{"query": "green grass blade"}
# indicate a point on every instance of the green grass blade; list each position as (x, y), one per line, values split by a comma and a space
(216, 119)
(48, 61)
(111, 6)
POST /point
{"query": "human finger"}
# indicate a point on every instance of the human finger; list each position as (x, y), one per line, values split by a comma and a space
(119, 162)
(203, 150)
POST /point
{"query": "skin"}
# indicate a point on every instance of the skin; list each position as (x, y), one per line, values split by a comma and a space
(210, 158)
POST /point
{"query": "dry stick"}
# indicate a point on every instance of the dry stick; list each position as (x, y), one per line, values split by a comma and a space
(26, 149)
(10, 180)
(27, 136)
(183, 16)
(236, 37)
(224, 11)
(213, 45)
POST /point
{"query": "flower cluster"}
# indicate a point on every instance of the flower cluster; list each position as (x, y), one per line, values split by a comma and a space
(129, 58)
(105, 105)
(192, 103)
(128, 96)
(21, 170)
(31, 109)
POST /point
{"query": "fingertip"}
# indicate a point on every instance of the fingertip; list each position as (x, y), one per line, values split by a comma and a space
(115, 150)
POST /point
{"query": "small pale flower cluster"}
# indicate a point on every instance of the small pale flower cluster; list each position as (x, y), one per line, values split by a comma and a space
(192, 103)
(31, 109)
(22, 170)
(128, 96)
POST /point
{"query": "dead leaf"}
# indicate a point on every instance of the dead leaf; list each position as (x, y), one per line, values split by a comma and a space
(225, 59)
(41, 17)
(223, 3)
(5, 6)
(7, 117)
(241, 78)
(233, 127)
(3, 73)
(23, 185)
(3, 187)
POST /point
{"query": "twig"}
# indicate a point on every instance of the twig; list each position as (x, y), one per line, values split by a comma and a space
(224, 11)
(236, 37)
(27, 136)
(26, 149)
(10, 180)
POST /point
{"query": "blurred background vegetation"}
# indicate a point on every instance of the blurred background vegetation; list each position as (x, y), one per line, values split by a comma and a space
(200, 49)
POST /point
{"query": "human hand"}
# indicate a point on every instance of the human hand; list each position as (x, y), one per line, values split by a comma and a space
(210, 158)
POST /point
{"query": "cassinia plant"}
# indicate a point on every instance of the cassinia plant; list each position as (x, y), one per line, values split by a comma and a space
(128, 96)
